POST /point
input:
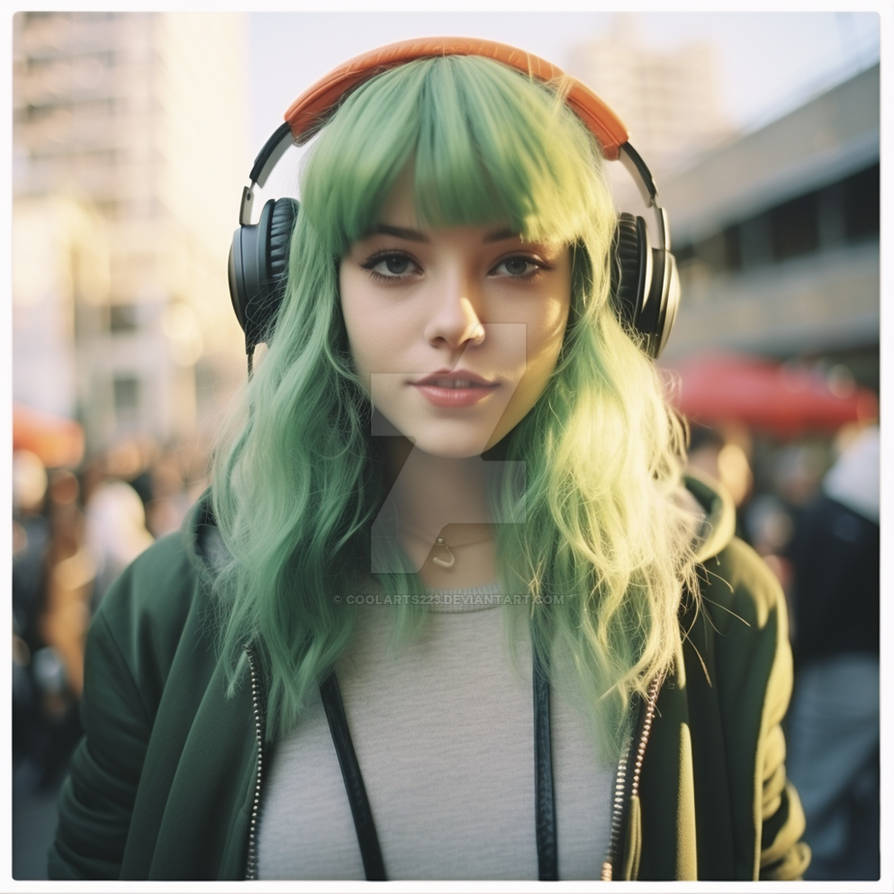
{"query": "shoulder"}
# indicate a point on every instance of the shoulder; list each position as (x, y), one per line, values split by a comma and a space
(736, 630)
(738, 587)
(737, 641)
(162, 596)
(156, 585)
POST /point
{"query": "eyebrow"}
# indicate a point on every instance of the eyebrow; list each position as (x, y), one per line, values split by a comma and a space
(417, 236)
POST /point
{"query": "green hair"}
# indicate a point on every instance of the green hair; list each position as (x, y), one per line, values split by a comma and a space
(297, 480)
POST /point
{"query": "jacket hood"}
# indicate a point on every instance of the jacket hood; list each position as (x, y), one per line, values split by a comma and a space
(711, 500)
(202, 539)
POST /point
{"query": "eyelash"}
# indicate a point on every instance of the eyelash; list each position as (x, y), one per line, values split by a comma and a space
(539, 266)
(374, 260)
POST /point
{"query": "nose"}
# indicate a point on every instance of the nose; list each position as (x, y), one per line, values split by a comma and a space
(455, 319)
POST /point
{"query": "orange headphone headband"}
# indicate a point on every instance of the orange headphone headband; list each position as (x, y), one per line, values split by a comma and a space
(310, 111)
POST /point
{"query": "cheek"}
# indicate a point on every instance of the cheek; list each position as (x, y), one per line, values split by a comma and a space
(539, 368)
(377, 334)
(547, 335)
(544, 346)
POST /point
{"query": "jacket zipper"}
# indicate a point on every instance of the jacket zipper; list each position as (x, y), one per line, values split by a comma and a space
(251, 865)
(626, 784)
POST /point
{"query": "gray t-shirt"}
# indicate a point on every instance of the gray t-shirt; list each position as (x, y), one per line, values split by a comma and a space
(443, 733)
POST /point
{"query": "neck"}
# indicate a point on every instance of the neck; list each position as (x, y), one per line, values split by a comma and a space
(432, 497)
(430, 492)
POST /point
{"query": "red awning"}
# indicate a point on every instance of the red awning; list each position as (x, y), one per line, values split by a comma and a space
(766, 395)
(57, 441)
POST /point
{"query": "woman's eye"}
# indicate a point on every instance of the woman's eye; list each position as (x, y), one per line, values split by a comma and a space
(517, 267)
(391, 266)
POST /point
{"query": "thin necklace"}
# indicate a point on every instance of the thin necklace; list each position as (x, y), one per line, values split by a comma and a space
(444, 557)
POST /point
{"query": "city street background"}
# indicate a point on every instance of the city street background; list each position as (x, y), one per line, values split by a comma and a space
(133, 135)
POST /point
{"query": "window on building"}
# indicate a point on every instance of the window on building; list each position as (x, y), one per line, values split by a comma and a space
(684, 252)
(732, 248)
(794, 228)
(109, 206)
(712, 251)
(123, 319)
(34, 63)
(861, 205)
(754, 241)
(126, 391)
(718, 252)
(845, 211)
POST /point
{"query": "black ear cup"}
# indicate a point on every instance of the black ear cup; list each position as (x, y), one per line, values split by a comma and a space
(631, 267)
(257, 268)
(644, 283)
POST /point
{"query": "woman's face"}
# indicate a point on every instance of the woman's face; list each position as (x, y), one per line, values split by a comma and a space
(416, 301)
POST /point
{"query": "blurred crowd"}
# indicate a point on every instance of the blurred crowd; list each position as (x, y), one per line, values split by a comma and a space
(810, 507)
(74, 531)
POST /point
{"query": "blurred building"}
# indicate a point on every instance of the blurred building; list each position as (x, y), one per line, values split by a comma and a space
(60, 274)
(777, 236)
(667, 97)
(129, 153)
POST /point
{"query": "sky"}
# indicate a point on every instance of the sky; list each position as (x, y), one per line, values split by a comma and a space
(770, 61)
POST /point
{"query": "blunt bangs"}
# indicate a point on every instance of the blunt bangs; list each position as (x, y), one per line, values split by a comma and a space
(486, 145)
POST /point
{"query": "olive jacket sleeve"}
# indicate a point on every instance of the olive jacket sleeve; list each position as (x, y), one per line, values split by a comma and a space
(98, 795)
(160, 785)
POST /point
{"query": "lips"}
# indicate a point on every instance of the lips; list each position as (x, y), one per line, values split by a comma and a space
(453, 397)
(456, 378)
(454, 383)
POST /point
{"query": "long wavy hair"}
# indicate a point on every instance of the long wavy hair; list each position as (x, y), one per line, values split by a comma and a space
(298, 481)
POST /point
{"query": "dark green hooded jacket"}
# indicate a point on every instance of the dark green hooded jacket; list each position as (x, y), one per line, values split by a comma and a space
(167, 781)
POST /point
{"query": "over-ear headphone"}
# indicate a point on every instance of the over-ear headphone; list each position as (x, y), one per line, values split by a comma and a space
(645, 285)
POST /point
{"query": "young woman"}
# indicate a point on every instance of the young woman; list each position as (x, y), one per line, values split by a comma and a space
(450, 609)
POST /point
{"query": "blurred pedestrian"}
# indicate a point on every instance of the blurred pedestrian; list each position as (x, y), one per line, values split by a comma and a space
(834, 721)
(31, 544)
(31, 547)
(116, 532)
(52, 578)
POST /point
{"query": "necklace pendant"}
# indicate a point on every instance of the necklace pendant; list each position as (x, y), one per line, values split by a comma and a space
(450, 559)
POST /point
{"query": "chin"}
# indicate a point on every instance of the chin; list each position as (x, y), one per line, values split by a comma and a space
(447, 439)
(451, 448)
